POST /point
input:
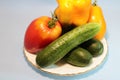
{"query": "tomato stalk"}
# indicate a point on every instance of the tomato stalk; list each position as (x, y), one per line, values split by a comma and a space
(52, 22)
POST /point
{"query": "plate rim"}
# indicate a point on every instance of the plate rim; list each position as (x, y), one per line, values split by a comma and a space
(43, 69)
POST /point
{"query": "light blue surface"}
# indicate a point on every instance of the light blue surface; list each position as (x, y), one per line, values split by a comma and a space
(15, 16)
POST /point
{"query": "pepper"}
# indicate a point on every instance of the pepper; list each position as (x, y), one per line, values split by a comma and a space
(74, 12)
(96, 15)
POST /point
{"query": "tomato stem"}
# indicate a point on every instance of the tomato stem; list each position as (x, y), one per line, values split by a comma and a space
(52, 22)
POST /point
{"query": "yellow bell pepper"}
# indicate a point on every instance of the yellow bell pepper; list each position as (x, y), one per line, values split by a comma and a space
(96, 15)
(74, 12)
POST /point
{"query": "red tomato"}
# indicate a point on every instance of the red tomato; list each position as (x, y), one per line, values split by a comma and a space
(40, 33)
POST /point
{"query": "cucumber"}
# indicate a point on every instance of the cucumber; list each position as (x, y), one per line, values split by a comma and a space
(61, 46)
(79, 57)
(95, 47)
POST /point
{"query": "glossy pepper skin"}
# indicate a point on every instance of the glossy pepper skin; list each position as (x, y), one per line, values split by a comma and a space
(96, 15)
(74, 12)
(40, 33)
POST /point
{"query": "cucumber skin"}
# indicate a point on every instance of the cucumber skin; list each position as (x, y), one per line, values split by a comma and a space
(61, 46)
(79, 57)
(90, 45)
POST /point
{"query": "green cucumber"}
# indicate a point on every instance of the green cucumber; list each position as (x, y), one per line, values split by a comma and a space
(61, 46)
(79, 57)
(95, 47)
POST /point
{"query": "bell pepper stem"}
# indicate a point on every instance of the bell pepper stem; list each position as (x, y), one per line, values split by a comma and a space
(95, 3)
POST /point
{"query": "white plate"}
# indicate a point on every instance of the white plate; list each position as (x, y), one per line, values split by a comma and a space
(65, 69)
